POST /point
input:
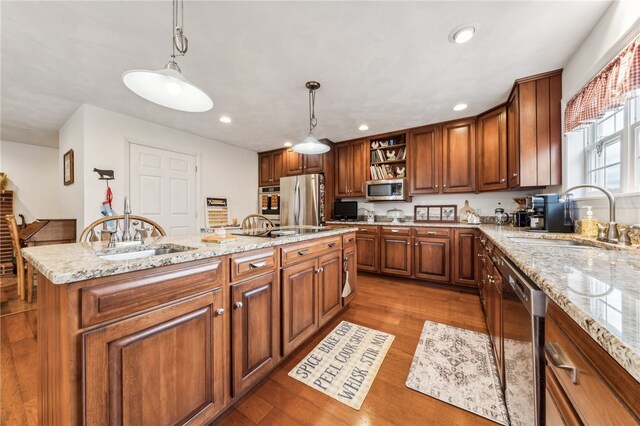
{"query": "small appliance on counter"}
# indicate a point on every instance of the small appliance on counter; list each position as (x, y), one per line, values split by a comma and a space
(547, 214)
(345, 210)
(520, 218)
(501, 217)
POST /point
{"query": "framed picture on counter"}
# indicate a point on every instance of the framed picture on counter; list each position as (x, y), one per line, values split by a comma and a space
(435, 214)
(67, 164)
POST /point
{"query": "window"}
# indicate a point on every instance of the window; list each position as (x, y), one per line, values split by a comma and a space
(611, 149)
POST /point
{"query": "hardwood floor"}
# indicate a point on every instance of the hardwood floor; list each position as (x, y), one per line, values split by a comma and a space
(393, 305)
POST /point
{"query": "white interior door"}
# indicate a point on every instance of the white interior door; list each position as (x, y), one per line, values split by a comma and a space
(163, 188)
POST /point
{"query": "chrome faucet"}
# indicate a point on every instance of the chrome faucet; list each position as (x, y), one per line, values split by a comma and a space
(612, 233)
(126, 234)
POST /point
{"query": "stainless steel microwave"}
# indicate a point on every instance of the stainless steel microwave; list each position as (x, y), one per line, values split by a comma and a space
(387, 190)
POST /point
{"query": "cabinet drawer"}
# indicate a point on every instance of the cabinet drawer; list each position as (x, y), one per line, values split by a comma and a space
(395, 230)
(114, 297)
(432, 232)
(308, 249)
(348, 240)
(252, 263)
(368, 230)
(591, 398)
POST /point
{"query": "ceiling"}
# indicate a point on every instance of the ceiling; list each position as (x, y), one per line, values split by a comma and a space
(386, 64)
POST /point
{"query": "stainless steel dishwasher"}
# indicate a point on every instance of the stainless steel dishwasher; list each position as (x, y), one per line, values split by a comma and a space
(524, 308)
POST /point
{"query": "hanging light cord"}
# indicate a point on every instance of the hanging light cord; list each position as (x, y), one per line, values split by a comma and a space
(313, 121)
(177, 28)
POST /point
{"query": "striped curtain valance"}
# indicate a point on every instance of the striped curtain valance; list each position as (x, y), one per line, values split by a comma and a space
(617, 82)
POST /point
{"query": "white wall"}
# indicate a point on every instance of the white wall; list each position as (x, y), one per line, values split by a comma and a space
(224, 170)
(72, 196)
(617, 27)
(33, 176)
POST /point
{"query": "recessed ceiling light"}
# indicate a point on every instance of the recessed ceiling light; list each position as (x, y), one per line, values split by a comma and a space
(363, 127)
(463, 33)
(460, 107)
(225, 119)
(288, 144)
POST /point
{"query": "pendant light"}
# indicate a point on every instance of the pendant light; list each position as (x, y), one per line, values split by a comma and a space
(168, 87)
(311, 145)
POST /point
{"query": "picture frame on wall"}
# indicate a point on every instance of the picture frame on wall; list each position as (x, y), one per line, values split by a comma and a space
(67, 167)
(436, 214)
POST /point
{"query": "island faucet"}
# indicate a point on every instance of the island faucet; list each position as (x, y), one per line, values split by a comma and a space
(612, 233)
(126, 234)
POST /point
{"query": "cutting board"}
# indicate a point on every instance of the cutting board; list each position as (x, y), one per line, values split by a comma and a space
(464, 212)
(212, 238)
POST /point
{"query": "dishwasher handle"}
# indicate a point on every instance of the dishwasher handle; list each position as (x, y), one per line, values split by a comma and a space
(559, 359)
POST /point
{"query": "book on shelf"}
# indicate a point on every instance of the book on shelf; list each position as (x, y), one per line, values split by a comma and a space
(382, 171)
(378, 156)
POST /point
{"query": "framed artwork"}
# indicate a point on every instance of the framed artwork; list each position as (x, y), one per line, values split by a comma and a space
(435, 214)
(67, 164)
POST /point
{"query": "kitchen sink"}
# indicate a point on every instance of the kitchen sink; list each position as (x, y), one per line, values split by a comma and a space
(144, 252)
(551, 243)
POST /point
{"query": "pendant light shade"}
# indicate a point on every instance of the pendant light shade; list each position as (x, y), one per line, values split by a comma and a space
(311, 145)
(168, 87)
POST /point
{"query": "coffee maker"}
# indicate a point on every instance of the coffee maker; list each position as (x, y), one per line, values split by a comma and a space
(547, 214)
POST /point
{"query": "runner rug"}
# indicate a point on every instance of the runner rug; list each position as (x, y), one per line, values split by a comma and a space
(344, 365)
(457, 366)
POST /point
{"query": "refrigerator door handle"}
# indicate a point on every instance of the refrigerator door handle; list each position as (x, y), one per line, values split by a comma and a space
(296, 207)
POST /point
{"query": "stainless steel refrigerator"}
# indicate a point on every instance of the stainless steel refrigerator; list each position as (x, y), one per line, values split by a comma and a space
(302, 200)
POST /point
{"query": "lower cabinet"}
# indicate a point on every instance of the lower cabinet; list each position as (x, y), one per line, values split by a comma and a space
(350, 272)
(395, 255)
(368, 252)
(465, 271)
(162, 367)
(494, 318)
(255, 312)
(329, 286)
(433, 258)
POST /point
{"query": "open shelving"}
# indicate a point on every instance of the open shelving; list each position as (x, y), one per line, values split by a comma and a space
(388, 157)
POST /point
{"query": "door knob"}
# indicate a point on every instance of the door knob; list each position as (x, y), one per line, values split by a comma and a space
(238, 305)
(220, 311)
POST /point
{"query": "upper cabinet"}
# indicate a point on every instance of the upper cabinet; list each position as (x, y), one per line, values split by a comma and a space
(351, 168)
(425, 148)
(492, 150)
(299, 164)
(459, 156)
(533, 131)
(270, 164)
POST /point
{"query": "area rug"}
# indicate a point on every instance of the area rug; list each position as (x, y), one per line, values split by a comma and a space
(457, 366)
(344, 365)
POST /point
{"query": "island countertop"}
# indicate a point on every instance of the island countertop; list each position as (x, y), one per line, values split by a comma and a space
(69, 263)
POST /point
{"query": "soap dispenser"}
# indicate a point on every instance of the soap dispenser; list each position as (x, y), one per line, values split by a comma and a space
(589, 225)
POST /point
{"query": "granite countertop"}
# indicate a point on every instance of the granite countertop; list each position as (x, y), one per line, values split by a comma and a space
(598, 288)
(414, 224)
(68, 263)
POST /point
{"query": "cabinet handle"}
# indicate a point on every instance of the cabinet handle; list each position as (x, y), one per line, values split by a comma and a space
(331, 245)
(436, 186)
(395, 230)
(416, 244)
(502, 180)
(515, 174)
(319, 270)
(349, 240)
(479, 255)
(303, 252)
(256, 265)
(220, 311)
(362, 230)
(238, 305)
(559, 359)
(409, 244)
(431, 233)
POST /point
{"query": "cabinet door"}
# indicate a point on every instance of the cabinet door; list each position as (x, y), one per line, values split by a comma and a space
(299, 304)
(292, 163)
(254, 330)
(313, 163)
(278, 166)
(359, 165)
(496, 333)
(527, 137)
(433, 259)
(492, 150)
(425, 158)
(395, 255)
(464, 257)
(164, 367)
(513, 141)
(350, 267)
(459, 156)
(329, 286)
(265, 172)
(343, 170)
(368, 252)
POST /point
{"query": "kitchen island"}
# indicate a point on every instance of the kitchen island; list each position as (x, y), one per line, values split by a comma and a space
(178, 337)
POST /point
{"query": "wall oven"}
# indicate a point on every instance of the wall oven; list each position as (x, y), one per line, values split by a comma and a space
(269, 203)
(387, 190)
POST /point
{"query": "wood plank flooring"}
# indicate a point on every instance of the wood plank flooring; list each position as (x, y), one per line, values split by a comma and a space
(396, 306)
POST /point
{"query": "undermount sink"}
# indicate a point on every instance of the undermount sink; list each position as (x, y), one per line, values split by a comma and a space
(143, 252)
(551, 243)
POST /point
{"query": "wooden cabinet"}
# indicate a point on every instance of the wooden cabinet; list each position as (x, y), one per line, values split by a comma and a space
(329, 286)
(313, 163)
(351, 164)
(270, 167)
(465, 268)
(492, 150)
(395, 253)
(350, 271)
(603, 393)
(432, 254)
(459, 156)
(298, 164)
(425, 158)
(299, 304)
(368, 248)
(494, 317)
(533, 131)
(127, 365)
(255, 310)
